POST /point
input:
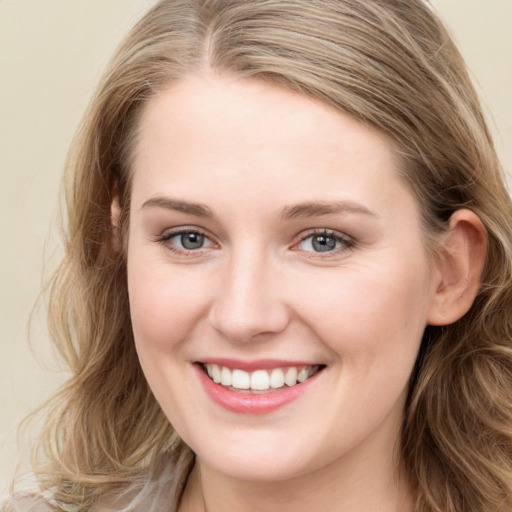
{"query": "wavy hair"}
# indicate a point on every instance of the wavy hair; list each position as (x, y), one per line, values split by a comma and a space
(390, 64)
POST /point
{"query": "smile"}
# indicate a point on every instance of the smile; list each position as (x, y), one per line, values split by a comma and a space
(263, 380)
(258, 387)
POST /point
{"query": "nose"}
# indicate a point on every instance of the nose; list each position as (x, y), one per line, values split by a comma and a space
(249, 302)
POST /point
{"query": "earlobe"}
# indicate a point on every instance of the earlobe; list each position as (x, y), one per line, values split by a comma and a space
(459, 267)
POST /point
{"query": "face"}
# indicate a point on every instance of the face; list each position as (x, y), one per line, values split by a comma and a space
(278, 279)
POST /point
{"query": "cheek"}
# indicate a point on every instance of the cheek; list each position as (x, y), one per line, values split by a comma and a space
(165, 304)
(370, 313)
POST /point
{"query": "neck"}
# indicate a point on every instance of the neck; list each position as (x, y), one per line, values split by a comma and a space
(357, 486)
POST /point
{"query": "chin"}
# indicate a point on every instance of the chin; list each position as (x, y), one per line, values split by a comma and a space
(265, 458)
(269, 468)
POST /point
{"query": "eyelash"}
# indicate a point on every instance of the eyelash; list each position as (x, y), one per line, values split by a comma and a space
(165, 239)
(347, 243)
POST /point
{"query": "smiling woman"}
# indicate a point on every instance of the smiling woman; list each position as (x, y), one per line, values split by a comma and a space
(327, 282)
(288, 277)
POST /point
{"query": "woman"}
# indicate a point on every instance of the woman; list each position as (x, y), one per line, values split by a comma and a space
(288, 277)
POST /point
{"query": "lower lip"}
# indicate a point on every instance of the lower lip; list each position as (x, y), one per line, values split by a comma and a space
(248, 403)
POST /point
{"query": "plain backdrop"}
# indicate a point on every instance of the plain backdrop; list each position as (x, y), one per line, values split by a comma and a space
(52, 53)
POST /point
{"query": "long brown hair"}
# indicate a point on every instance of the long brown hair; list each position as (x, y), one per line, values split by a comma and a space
(391, 65)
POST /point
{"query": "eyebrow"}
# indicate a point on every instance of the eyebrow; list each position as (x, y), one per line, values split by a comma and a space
(196, 209)
(316, 208)
(298, 211)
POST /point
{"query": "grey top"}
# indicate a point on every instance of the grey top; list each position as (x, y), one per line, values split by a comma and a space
(160, 492)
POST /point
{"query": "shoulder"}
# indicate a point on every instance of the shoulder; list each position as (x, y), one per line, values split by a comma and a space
(26, 502)
(160, 488)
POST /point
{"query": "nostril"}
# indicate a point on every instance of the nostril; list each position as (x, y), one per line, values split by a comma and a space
(239, 323)
(248, 302)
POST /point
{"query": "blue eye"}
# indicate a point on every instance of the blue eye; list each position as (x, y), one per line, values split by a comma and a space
(184, 240)
(191, 241)
(324, 242)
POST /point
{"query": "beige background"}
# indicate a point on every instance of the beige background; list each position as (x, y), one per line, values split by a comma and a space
(51, 55)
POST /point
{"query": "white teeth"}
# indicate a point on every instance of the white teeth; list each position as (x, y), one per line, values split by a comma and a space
(225, 377)
(277, 378)
(302, 375)
(215, 374)
(290, 378)
(241, 379)
(259, 380)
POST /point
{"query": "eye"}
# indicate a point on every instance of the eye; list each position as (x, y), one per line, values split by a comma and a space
(324, 242)
(191, 241)
(185, 240)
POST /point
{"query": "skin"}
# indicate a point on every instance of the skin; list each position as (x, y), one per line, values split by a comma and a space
(257, 289)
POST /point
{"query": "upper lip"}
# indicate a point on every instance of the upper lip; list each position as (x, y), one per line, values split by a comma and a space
(255, 364)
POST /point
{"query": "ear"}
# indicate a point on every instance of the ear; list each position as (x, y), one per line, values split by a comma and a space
(115, 243)
(461, 259)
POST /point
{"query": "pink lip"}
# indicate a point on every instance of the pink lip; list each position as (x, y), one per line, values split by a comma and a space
(246, 403)
(251, 366)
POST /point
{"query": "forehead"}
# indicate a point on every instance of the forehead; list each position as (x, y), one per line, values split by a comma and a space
(210, 130)
(201, 105)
